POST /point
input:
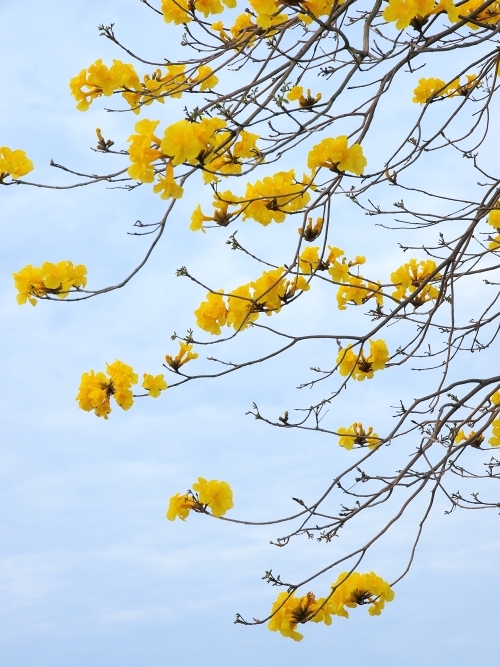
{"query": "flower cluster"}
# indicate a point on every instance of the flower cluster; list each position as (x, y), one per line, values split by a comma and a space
(416, 12)
(428, 89)
(99, 79)
(268, 13)
(272, 198)
(181, 11)
(336, 155)
(356, 435)
(143, 153)
(243, 305)
(184, 355)
(242, 31)
(96, 389)
(350, 590)
(494, 221)
(226, 158)
(14, 163)
(353, 289)
(211, 494)
(265, 201)
(461, 436)
(357, 365)
(410, 277)
(34, 282)
(317, 8)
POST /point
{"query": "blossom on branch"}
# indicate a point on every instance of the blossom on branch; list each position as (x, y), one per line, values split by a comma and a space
(14, 163)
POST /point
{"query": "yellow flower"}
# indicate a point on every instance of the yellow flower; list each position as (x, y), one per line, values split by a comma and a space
(309, 260)
(180, 506)
(272, 198)
(267, 13)
(191, 142)
(429, 88)
(285, 617)
(310, 232)
(358, 291)
(494, 441)
(212, 314)
(288, 611)
(494, 221)
(99, 79)
(318, 8)
(240, 308)
(218, 496)
(172, 83)
(334, 154)
(269, 290)
(206, 78)
(294, 93)
(143, 151)
(14, 163)
(183, 356)
(356, 435)
(96, 389)
(360, 367)
(167, 185)
(351, 590)
(410, 277)
(176, 11)
(243, 30)
(154, 384)
(55, 279)
(404, 11)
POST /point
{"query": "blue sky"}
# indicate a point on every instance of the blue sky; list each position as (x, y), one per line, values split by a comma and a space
(91, 573)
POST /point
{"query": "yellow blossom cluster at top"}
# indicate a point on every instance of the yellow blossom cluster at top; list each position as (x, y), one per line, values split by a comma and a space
(217, 496)
(427, 89)
(268, 13)
(410, 277)
(416, 12)
(356, 435)
(99, 79)
(34, 282)
(243, 31)
(181, 11)
(14, 163)
(96, 389)
(357, 365)
(350, 590)
(244, 304)
(317, 8)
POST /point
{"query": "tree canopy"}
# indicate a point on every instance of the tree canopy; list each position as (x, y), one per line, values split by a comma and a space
(284, 113)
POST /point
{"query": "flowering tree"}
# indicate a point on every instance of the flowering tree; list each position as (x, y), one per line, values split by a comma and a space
(313, 80)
